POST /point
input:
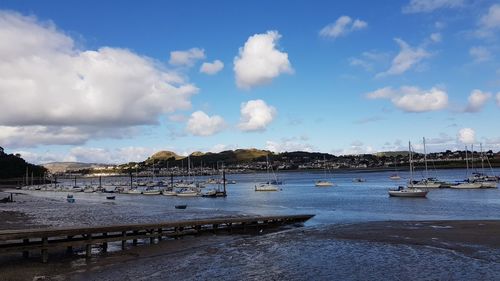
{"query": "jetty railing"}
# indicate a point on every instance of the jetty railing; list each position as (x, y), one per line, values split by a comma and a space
(43, 239)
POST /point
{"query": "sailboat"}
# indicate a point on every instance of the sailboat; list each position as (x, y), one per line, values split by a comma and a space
(324, 182)
(481, 177)
(426, 182)
(468, 183)
(409, 191)
(395, 176)
(267, 186)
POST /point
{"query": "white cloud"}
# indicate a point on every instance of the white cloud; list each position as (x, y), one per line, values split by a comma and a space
(200, 124)
(356, 147)
(413, 99)
(368, 60)
(211, 68)
(407, 58)
(436, 37)
(480, 54)
(342, 26)
(498, 98)
(65, 95)
(91, 155)
(222, 147)
(288, 145)
(256, 115)
(186, 58)
(426, 6)
(491, 20)
(477, 99)
(259, 62)
(466, 136)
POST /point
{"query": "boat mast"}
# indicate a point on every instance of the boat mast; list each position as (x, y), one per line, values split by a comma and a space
(324, 165)
(425, 161)
(466, 161)
(472, 158)
(411, 163)
(482, 157)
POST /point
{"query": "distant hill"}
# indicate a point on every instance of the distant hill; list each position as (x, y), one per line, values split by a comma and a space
(59, 167)
(209, 158)
(165, 155)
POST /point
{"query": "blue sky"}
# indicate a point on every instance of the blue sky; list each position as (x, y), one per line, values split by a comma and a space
(113, 82)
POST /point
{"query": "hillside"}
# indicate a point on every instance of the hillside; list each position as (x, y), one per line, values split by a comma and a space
(59, 167)
(12, 166)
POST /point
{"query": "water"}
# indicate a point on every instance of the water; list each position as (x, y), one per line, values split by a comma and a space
(296, 254)
(347, 202)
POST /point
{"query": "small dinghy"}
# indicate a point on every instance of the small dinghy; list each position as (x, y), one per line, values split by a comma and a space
(180, 206)
(110, 197)
(70, 198)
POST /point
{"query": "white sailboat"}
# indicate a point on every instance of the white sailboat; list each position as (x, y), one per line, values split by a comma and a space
(408, 191)
(267, 186)
(468, 183)
(324, 182)
(426, 182)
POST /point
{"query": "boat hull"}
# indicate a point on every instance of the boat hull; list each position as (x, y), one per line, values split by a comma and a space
(266, 187)
(408, 193)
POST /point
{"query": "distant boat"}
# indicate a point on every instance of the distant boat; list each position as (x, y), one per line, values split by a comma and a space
(180, 206)
(70, 198)
(324, 182)
(133, 191)
(469, 182)
(407, 192)
(151, 192)
(359, 180)
(188, 193)
(394, 177)
(267, 186)
(110, 197)
(169, 193)
(410, 191)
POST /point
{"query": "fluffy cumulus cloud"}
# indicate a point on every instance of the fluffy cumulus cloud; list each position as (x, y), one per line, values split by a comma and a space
(91, 155)
(466, 136)
(211, 68)
(256, 115)
(426, 6)
(200, 124)
(477, 99)
(186, 58)
(259, 61)
(413, 99)
(55, 93)
(480, 54)
(407, 58)
(490, 22)
(288, 145)
(342, 26)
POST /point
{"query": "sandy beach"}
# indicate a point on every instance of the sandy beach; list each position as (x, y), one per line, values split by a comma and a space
(465, 249)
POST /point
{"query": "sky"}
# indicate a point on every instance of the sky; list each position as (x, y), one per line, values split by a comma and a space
(116, 81)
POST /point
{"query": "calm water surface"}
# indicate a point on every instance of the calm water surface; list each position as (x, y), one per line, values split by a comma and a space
(346, 202)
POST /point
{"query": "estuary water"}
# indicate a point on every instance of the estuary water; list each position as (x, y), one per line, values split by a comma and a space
(310, 252)
(347, 202)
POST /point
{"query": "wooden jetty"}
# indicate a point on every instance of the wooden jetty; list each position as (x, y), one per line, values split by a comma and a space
(43, 239)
